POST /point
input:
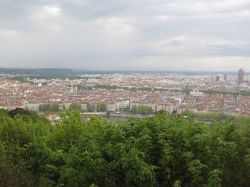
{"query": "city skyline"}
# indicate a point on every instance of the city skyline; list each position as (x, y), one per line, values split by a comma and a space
(11, 70)
(171, 92)
(131, 35)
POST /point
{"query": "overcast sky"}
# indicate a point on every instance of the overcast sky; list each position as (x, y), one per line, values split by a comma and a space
(126, 34)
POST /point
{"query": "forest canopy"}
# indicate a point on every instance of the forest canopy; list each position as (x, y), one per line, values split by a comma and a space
(156, 151)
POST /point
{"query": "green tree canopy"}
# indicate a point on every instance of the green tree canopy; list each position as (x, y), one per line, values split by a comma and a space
(156, 151)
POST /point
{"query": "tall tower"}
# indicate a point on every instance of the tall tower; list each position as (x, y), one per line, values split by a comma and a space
(225, 77)
(217, 78)
(241, 76)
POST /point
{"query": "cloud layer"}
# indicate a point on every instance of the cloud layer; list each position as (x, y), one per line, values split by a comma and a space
(126, 35)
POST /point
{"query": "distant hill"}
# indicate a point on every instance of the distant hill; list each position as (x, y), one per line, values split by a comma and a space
(38, 72)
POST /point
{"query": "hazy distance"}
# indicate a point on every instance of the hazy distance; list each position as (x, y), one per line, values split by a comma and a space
(191, 35)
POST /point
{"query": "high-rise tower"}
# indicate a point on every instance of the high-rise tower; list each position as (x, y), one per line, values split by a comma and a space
(241, 76)
(225, 77)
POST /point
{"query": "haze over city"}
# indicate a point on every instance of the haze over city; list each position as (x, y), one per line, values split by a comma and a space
(126, 35)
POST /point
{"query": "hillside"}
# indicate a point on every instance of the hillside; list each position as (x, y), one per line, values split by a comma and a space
(157, 151)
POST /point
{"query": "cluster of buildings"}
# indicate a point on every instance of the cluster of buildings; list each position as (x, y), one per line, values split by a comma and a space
(171, 92)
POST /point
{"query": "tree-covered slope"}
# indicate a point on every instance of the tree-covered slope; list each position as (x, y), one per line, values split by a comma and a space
(157, 151)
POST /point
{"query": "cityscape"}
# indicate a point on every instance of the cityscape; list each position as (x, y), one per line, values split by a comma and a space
(171, 92)
(124, 93)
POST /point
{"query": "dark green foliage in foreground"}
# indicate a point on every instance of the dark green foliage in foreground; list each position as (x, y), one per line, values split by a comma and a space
(158, 151)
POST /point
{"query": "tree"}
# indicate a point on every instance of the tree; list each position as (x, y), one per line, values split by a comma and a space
(75, 107)
(141, 109)
(101, 107)
(90, 108)
(49, 108)
(156, 151)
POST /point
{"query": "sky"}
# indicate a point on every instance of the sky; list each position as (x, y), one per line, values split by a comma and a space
(165, 35)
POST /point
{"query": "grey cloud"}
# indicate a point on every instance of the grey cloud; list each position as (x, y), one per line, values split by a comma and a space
(118, 34)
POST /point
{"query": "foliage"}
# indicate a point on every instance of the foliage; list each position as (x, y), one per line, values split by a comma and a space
(49, 108)
(234, 93)
(157, 151)
(74, 106)
(90, 108)
(141, 109)
(142, 89)
(101, 107)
